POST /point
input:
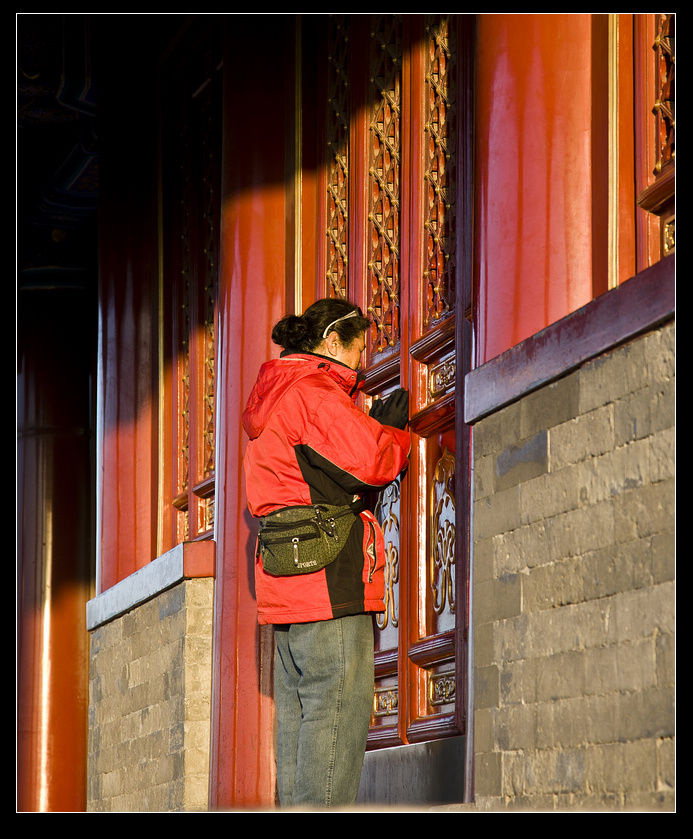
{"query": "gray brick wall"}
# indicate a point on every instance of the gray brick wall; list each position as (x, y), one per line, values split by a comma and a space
(574, 589)
(149, 704)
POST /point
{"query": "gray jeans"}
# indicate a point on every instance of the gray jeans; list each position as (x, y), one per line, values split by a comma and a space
(323, 684)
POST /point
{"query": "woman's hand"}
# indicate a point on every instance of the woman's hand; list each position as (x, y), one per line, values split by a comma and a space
(392, 411)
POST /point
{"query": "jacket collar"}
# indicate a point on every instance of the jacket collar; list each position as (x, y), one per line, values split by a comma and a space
(351, 380)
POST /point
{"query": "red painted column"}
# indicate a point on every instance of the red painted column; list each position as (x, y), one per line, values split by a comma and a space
(541, 166)
(251, 300)
(54, 541)
(128, 321)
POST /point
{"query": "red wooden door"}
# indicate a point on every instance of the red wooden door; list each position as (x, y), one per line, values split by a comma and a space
(392, 224)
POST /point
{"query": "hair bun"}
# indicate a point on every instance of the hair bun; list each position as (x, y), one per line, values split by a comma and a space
(290, 332)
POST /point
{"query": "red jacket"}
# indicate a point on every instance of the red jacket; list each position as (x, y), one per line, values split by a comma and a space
(309, 443)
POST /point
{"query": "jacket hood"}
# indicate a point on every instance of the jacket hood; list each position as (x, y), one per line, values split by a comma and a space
(280, 374)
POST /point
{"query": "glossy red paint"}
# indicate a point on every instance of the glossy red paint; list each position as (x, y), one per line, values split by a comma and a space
(534, 174)
(53, 550)
(128, 327)
(252, 298)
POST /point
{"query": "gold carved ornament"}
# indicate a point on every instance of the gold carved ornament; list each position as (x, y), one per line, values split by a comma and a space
(442, 559)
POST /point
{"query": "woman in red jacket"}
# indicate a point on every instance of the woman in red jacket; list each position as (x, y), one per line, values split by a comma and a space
(312, 448)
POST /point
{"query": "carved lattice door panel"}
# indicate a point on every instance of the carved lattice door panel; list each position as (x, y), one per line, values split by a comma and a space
(392, 193)
(190, 177)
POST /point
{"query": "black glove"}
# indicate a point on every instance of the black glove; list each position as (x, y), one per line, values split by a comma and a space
(392, 411)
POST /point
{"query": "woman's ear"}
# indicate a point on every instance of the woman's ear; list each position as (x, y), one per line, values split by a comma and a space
(333, 344)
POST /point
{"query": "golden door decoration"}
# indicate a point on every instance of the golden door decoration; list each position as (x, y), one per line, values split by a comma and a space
(391, 188)
(654, 37)
(191, 164)
(664, 111)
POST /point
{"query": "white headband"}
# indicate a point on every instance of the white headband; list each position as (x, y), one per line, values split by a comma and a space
(351, 314)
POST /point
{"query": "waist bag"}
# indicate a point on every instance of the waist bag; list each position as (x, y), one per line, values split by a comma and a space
(302, 540)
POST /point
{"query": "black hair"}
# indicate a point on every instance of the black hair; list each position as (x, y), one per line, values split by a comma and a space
(304, 333)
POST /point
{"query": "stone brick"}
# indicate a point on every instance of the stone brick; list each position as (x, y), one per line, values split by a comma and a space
(487, 774)
(512, 684)
(559, 676)
(617, 472)
(660, 347)
(602, 715)
(617, 568)
(570, 770)
(633, 416)
(620, 767)
(554, 631)
(641, 614)
(498, 431)
(555, 771)
(484, 476)
(582, 437)
(649, 802)
(515, 728)
(657, 557)
(501, 597)
(514, 778)
(512, 641)
(666, 764)
(663, 455)
(622, 667)
(580, 531)
(521, 462)
(549, 406)
(647, 714)
(497, 514)
(484, 649)
(484, 562)
(613, 376)
(545, 735)
(547, 496)
(644, 513)
(665, 658)
(553, 585)
(486, 687)
(483, 730)
(150, 716)
(522, 548)
(639, 765)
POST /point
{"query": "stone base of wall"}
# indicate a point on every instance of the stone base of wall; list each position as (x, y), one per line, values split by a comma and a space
(149, 705)
(573, 589)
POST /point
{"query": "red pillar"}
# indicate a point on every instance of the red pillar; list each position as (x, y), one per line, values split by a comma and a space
(54, 542)
(252, 288)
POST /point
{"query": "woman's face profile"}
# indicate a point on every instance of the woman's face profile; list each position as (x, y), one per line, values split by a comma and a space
(349, 354)
(352, 354)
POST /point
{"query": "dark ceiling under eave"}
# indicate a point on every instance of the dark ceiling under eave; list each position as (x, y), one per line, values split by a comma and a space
(57, 160)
